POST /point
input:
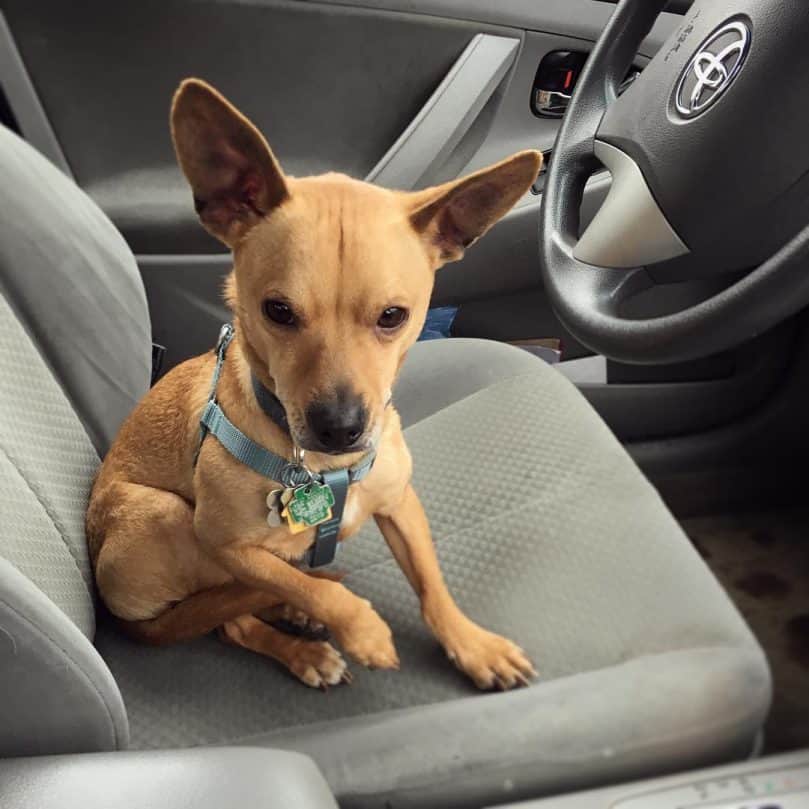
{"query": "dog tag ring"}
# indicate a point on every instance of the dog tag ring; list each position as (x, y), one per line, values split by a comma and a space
(296, 472)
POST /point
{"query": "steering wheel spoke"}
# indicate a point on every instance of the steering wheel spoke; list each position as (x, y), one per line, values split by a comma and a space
(629, 229)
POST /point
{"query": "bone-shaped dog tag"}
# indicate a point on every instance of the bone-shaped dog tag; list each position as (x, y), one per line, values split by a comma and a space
(274, 519)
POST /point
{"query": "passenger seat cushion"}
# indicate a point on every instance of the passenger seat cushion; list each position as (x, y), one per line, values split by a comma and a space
(71, 279)
(548, 533)
(437, 373)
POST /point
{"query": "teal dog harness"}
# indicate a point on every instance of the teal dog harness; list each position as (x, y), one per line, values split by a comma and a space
(307, 499)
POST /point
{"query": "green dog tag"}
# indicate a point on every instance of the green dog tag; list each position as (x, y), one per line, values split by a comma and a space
(311, 504)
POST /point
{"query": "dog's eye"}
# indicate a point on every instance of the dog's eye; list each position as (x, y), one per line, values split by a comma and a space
(279, 312)
(392, 318)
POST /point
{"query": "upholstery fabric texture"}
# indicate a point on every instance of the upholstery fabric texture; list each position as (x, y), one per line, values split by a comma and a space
(56, 693)
(46, 468)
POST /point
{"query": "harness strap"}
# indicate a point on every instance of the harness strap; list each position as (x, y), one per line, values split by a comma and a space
(270, 404)
(272, 466)
(325, 547)
(247, 451)
(265, 462)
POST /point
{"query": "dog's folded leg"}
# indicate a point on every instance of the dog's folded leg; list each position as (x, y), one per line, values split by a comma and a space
(316, 663)
(490, 660)
(296, 622)
(200, 614)
(355, 625)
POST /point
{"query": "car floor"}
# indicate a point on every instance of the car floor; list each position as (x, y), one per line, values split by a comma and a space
(762, 560)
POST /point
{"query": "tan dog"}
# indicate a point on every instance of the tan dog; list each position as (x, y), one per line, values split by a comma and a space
(331, 283)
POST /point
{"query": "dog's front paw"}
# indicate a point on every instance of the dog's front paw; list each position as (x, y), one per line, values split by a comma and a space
(297, 618)
(368, 639)
(490, 660)
(293, 621)
(318, 664)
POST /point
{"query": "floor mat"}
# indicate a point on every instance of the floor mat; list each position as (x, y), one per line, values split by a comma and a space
(762, 561)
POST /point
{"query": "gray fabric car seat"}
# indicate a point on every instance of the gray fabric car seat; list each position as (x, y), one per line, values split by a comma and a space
(546, 530)
(74, 335)
(74, 284)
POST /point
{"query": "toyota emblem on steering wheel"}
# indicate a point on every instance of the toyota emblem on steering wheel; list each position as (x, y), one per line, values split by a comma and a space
(712, 69)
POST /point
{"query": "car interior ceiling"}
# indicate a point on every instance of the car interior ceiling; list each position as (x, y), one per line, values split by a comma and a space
(410, 94)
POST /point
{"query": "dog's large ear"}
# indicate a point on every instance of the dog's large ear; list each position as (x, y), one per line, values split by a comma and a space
(452, 216)
(234, 175)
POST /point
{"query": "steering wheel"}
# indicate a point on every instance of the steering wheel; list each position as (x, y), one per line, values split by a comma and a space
(709, 155)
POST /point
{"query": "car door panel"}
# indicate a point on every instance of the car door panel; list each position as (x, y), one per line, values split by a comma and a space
(332, 88)
(582, 19)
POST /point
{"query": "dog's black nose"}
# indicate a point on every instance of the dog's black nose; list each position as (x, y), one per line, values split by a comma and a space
(337, 423)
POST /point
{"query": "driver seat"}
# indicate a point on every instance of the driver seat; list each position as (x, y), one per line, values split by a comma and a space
(546, 530)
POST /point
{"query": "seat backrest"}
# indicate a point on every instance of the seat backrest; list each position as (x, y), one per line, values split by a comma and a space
(75, 354)
(74, 284)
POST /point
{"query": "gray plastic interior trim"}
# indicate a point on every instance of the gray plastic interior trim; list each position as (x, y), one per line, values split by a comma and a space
(582, 19)
(718, 787)
(629, 230)
(449, 112)
(23, 99)
(585, 370)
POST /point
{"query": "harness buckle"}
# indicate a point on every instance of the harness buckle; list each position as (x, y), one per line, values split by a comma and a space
(225, 336)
